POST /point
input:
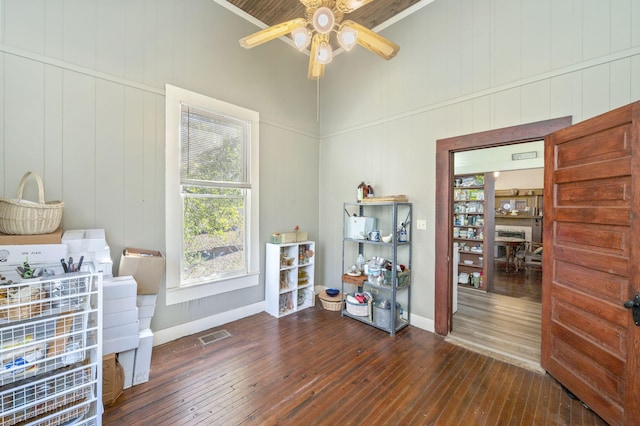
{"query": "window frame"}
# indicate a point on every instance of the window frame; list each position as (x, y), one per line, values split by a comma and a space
(177, 293)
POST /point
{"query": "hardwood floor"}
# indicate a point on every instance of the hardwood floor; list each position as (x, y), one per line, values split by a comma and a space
(505, 323)
(521, 285)
(506, 327)
(315, 367)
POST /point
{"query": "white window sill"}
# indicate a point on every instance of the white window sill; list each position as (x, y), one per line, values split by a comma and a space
(199, 291)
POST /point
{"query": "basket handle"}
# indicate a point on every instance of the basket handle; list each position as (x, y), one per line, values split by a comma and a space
(40, 186)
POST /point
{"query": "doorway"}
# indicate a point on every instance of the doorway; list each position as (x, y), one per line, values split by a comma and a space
(445, 150)
(503, 315)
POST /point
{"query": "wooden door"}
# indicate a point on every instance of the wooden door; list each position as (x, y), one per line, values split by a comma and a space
(591, 259)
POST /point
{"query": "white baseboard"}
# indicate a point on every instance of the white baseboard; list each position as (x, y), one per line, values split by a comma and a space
(423, 323)
(193, 327)
(186, 329)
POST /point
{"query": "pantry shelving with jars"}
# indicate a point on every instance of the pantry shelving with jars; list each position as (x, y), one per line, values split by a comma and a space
(387, 270)
(50, 347)
(473, 229)
(289, 277)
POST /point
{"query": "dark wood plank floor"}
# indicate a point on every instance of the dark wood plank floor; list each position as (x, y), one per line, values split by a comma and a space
(315, 367)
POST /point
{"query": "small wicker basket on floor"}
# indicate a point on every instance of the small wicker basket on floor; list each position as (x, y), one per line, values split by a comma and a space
(330, 303)
(24, 217)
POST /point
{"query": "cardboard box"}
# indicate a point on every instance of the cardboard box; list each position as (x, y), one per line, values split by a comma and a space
(146, 266)
(146, 304)
(118, 305)
(120, 331)
(283, 237)
(127, 360)
(120, 287)
(120, 344)
(14, 240)
(142, 365)
(116, 319)
(112, 379)
(85, 239)
(359, 227)
(288, 237)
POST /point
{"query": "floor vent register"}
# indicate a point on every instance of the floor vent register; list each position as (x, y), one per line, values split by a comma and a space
(214, 337)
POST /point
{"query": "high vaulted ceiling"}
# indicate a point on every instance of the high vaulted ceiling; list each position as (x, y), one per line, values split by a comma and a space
(373, 15)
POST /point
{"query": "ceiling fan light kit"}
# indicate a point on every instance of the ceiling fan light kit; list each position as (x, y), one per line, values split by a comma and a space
(324, 16)
(347, 37)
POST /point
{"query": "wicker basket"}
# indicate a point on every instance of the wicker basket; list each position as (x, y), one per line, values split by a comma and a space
(358, 309)
(23, 217)
(331, 303)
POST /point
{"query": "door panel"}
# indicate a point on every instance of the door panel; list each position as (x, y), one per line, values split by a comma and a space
(589, 340)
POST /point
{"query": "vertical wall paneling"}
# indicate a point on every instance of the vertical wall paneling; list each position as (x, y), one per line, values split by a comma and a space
(164, 42)
(565, 30)
(635, 84)
(24, 122)
(481, 44)
(596, 90)
(465, 17)
(507, 107)
(620, 25)
(26, 26)
(53, 132)
(134, 167)
(535, 98)
(79, 35)
(110, 34)
(134, 47)
(620, 81)
(78, 150)
(635, 18)
(110, 155)
(153, 48)
(596, 27)
(54, 28)
(536, 37)
(159, 239)
(560, 96)
(149, 165)
(506, 41)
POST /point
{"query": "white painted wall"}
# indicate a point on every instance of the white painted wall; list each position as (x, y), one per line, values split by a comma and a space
(82, 103)
(464, 66)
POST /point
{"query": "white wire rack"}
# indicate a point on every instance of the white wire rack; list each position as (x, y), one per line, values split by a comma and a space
(50, 350)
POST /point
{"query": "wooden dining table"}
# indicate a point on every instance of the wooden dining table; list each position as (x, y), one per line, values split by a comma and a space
(511, 244)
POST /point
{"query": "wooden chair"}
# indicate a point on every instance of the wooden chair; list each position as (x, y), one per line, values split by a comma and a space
(530, 258)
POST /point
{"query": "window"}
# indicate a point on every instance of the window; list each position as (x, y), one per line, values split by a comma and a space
(211, 196)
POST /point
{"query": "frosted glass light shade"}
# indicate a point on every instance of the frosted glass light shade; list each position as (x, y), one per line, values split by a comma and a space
(324, 53)
(301, 37)
(323, 20)
(347, 38)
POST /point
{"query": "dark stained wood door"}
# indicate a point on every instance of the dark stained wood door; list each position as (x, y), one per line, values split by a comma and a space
(591, 258)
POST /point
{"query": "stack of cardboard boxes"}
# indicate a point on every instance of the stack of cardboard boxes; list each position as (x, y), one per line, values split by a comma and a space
(143, 270)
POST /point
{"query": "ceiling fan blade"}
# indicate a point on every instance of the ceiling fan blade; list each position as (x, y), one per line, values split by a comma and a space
(311, 3)
(271, 33)
(348, 6)
(374, 42)
(316, 70)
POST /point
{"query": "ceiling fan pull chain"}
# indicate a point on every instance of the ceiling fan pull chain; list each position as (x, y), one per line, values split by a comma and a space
(317, 100)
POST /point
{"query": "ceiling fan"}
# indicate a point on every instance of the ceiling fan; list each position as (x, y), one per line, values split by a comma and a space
(325, 16)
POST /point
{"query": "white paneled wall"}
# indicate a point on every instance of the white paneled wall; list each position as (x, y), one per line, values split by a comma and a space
(465, 66)
(82, 102)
